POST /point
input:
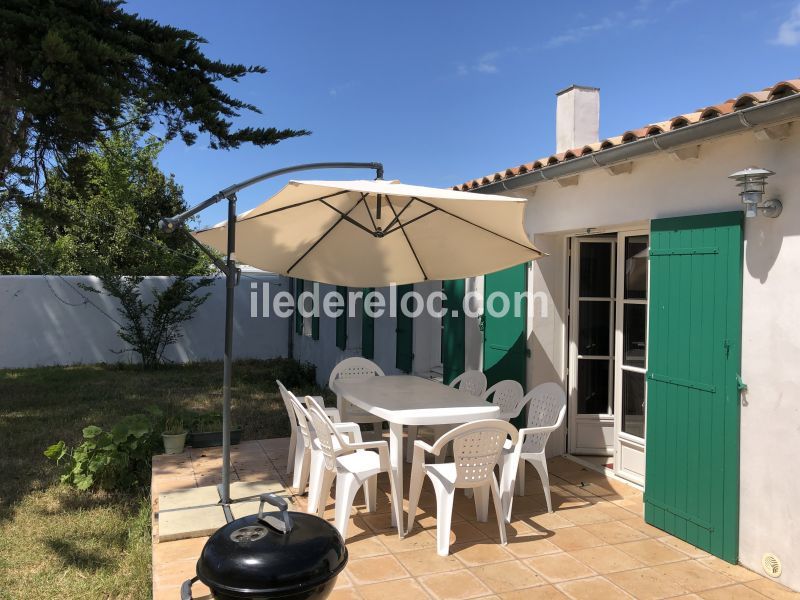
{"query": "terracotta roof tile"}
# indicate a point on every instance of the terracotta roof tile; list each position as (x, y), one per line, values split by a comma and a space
(745, 100)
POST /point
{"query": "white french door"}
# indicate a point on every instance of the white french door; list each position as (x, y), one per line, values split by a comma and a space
(631, 355)
(592, 313)
(608, 349)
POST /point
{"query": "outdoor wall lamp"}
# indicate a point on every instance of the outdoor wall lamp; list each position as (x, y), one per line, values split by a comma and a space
(753, 181)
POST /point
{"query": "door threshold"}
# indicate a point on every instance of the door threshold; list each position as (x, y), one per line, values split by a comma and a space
(604, 470)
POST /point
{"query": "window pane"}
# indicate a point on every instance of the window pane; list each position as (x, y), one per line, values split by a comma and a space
(633, 403)
(636, 256)
(594, 327)
(633, 335)
(593, 387)
(595, 270)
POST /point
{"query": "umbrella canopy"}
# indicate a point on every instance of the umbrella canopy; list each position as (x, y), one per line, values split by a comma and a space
(375, 233)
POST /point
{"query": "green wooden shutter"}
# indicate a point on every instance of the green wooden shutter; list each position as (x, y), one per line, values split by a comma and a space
(504, 337)
(367, 331)
(298, 318)
(341, 321)
(692, 464)
(404, 347)
(453, 330)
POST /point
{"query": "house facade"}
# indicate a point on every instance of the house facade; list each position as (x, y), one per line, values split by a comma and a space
(668, 316)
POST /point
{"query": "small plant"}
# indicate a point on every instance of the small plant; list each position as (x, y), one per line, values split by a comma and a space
(207, 423)
(173, 426)
(118, 459)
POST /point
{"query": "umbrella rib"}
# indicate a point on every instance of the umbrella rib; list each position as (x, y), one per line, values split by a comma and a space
(342, 217)
(345, 216)
(467, 221)
(398, 215)
(407, 223)
(369, 213)
(408, 241)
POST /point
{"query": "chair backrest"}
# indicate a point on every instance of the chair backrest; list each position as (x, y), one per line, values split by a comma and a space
(476, 449)
(547, 408)
(354, 368)
(471, 381)
(299, 414)
(285, 395)
(509, 396)
(326, 432)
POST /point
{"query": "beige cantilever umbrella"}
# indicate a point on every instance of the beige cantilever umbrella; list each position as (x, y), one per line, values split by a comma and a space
(375, 233)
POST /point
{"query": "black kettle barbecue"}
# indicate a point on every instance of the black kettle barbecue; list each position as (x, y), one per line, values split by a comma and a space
(286, 555)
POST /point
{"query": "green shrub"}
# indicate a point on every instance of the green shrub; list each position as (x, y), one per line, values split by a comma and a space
(118, 459)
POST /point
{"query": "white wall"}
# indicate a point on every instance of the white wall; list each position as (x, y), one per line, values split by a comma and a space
(46, 321)
(661, 186)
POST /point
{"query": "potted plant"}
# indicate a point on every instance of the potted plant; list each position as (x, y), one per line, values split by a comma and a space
(174, 435)
(206, 431)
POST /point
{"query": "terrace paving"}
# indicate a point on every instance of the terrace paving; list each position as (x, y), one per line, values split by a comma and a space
(595, 545)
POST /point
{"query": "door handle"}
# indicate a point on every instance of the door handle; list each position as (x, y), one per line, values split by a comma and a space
(740, 385)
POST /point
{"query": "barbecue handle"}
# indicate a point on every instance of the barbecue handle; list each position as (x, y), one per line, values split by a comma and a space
(281, 505)
(186, 589)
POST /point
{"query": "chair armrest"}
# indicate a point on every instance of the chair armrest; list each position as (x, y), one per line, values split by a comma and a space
(531, 430)
(352, 429)
(374, 445)
(423, 446)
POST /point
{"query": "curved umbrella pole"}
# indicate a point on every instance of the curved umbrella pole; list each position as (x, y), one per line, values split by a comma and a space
(231, 272)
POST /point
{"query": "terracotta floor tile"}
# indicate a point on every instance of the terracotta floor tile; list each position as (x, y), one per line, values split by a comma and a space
(771, 589)
(531, 545)
(652, 552)
(694, 576)
(426, 562)
(585, 515)
(166, 552)
(639, 525)
(734, 592)
(684, 547)
(594, 588)
(463, 531)
(735, 572)
(542, 592)
(559, 567)
(545, 521)
(343, 580)
(507, 576)
(416, 540)
(365, 546)
(481, 553)
(607, 559)
(575, 538)
(345, 594)
(375, 569)
(174, 573)
(647, 584)
(454, 585)
(615, 532)
(407, 589)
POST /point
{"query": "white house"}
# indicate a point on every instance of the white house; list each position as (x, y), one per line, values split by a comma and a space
(668, 316)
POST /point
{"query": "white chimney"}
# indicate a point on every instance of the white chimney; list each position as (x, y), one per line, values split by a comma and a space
(577, 117)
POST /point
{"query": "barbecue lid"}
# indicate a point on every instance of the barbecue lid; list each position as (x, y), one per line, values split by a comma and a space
(272, 553)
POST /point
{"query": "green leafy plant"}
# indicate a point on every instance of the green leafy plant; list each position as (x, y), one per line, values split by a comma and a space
(118, 459)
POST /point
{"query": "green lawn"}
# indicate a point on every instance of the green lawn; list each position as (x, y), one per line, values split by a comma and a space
(56, 542)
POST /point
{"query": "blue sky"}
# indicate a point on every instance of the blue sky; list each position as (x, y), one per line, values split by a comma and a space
(442, 92)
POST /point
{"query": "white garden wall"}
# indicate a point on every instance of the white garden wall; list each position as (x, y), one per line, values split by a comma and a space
(48, 321)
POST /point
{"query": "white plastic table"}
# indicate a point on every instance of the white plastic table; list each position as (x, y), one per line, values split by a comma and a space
(408, 400)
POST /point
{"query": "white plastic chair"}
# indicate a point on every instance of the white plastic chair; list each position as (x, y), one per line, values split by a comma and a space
(306, 462)
(477, 448)
(509, 396)
(471, 381)
(352, 464)
(295, 441)
(355, 368)
(548, 405)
